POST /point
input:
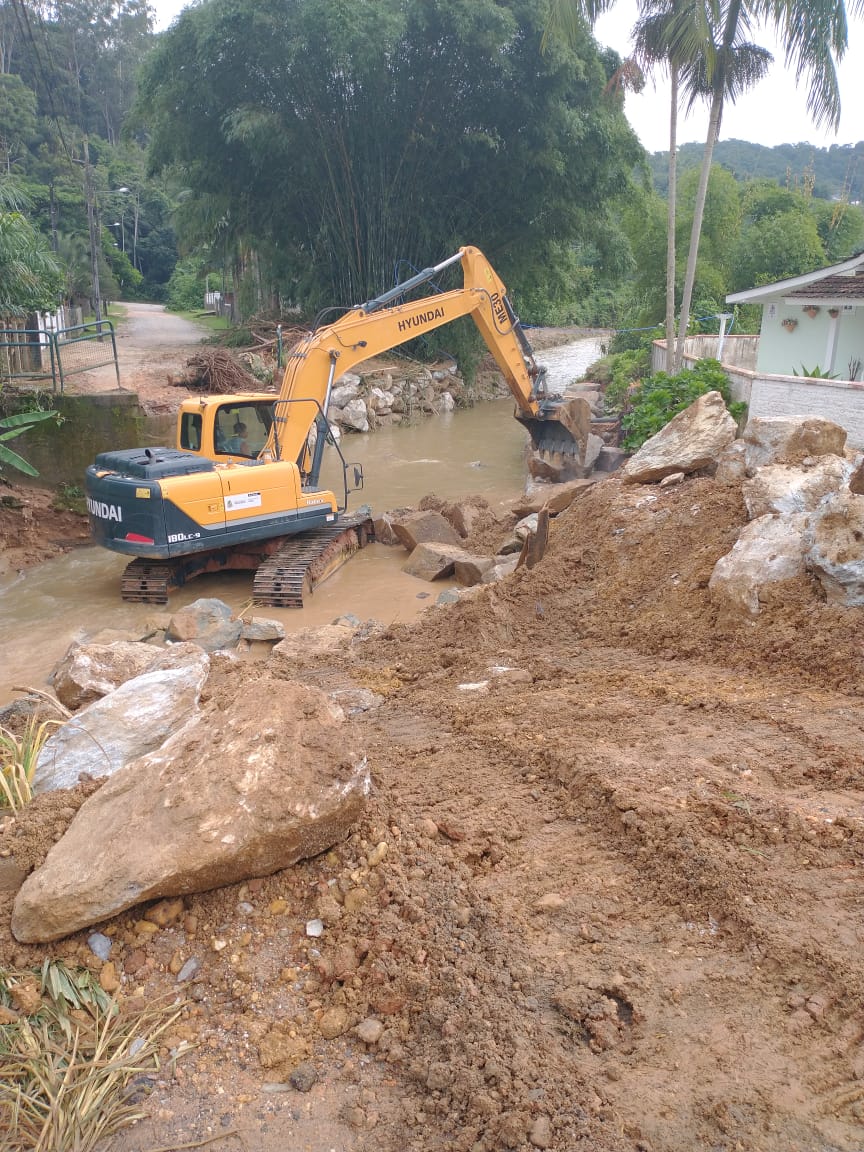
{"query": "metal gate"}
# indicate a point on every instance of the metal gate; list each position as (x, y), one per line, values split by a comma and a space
(32, 355)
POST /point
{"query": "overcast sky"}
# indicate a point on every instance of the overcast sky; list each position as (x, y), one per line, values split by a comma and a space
(772, 113)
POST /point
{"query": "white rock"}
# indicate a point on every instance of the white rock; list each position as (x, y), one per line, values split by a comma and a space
(835, 547)
(136, 718)
(526, 526)
(354, 415)
(691, 442)
(785, 489)
(379, 400)
(768, 551)
(446, 403)
(90, 671)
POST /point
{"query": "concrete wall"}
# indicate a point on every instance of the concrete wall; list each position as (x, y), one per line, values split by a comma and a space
(91, 424)
(839, 400)
(740, 351)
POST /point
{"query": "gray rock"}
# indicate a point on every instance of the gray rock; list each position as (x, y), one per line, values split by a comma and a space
(786, 489)
(692, 441)
(369, 1030)
(134, 719)
(303, 1078)
(609, 459)
(445, 402)
(189, 969)
(435, 561)
(312, 641)
(209, 623)
(526, 526)
(834, 540)
(260, 628)
(343, 394)
(789, 439)
(240, 792)
(768, 551)
(354, 415)
(448, 596)
(500, 570)
(99, 945)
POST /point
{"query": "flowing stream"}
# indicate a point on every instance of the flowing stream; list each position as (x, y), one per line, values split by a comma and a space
(477, 451)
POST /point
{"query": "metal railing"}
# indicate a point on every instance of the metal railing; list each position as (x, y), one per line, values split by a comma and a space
(38, 354)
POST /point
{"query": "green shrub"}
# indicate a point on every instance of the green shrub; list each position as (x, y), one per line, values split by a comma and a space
(660, 397)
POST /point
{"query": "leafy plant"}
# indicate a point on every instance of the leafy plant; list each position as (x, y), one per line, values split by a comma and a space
(19, 755)
(68, 1059)
(16, 425)
(660, 397)
(815, 373)
(70, 498)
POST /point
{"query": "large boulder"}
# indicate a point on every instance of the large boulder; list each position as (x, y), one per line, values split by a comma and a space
(344, 392)
(134, 719)
(835, 547)
(691, 442)
(90, 671)
(209, 623)
(788, 490)
(435, 561)
(769, 550)
(258, 780)
(555, 498)
(312, 642)
(790, 439)
(427, 527)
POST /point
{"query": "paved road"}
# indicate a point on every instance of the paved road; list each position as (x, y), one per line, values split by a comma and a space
(150, 326)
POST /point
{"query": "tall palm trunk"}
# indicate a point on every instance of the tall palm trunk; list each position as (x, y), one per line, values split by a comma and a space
(696, 230)
(670, 220)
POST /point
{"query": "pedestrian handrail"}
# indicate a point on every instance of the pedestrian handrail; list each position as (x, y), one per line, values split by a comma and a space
(36, 354)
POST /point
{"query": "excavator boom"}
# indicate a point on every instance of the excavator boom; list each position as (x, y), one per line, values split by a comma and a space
(389, 320)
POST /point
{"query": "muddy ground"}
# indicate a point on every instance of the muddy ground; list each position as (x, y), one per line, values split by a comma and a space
(619, 905)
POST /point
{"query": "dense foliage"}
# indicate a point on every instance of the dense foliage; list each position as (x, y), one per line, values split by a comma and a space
(658, 398)
(332, 147)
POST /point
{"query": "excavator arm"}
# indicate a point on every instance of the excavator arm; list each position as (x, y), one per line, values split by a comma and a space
(387, 321)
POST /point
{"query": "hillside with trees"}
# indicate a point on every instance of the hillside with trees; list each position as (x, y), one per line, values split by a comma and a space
(831, 173)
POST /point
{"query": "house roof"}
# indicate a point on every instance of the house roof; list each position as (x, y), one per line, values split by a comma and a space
(813, 287)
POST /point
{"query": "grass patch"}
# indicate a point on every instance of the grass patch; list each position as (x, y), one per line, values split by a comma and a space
(209, 321)
(19, 754)
(70, 1059)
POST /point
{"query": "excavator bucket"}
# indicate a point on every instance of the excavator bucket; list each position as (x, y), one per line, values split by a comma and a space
(560, 439)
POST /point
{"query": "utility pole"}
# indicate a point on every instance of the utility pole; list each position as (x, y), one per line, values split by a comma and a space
(53, 204)
(93, 228)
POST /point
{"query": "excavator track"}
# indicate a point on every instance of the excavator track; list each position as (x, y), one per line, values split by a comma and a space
(305, 561)
(286, 569)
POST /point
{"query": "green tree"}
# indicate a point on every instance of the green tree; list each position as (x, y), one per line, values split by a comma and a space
(333, 144)
(30, 277)
(814, 34)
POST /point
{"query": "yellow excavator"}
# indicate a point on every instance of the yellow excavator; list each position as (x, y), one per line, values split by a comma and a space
(240, 490)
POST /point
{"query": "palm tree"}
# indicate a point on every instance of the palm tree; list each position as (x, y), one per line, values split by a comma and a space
(659, 36)
(814, 34)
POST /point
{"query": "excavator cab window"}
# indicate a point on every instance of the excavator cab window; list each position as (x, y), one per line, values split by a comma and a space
(241, 429)
(190, 431)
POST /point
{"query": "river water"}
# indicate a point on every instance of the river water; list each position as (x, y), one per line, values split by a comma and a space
(477, 451)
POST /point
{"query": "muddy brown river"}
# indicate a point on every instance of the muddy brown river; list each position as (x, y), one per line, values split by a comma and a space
(477, 451)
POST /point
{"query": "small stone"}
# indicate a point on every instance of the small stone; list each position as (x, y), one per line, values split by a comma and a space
(314, 928)
(355, 1117)
(277, 907)
(99, 945)
(175, 964)
(551, 902)
(303, 1077)
(108, 978)
(188, 970)
(540, 1133)
(164, 913)
(427, 828)
(333, 1022)
(329, 910)
(190, 924)
(672, 479)
(377, 855)
(369, 1030)
(218, 945)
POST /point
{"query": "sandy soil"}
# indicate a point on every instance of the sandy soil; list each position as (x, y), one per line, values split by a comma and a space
(619, 902)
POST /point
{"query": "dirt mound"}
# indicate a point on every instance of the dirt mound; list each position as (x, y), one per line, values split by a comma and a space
(630, 566)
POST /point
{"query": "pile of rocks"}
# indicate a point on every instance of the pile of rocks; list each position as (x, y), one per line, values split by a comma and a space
(378, 397)
(803, 490)
(205, 785)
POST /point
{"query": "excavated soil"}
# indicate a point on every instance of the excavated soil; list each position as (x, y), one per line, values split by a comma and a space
(606, 896)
